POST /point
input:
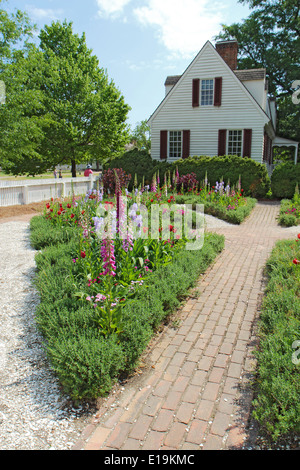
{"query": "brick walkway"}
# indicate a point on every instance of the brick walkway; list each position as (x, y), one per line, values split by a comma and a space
(195, 391)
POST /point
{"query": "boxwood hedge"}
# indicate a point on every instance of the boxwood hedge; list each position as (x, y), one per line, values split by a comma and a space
(254, 176)
(86, 363)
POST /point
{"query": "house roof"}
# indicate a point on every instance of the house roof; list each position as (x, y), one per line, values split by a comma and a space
(251, 74)
(243, 75)
(174, 79)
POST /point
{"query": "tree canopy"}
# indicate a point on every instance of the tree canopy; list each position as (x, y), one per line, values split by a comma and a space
(270, 38)
(61, 107)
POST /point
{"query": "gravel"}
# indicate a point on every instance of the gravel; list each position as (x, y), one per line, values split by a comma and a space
(34, 415)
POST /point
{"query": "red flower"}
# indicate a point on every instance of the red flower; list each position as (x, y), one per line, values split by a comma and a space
(295, 261)
(48, 206)
(151, 200)
(298, 235)
(82, 254)
(82, 212)
(59, 212)
(72, 216)
(69, 206)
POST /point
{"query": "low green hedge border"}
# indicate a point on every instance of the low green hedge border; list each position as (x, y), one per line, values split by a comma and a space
(233, 216)
(277, 404)
(86, 363)
(287, 219)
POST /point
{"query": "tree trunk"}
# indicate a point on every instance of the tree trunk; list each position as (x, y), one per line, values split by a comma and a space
(73, 168)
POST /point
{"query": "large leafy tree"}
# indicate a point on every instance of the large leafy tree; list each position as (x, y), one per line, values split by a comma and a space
(15, 29)
(88, 112)
(19, 132)
(61, 107)
(270, 38)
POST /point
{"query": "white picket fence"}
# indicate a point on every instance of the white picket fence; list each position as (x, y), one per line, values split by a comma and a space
(14, 193)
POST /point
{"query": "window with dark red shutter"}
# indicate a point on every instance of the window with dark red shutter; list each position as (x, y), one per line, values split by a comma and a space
(196, 92)
(247, 143)
(218, 91)
(222, 142)
(163, 144)
(186, 144)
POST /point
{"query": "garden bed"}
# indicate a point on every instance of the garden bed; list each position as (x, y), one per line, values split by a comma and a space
(289, 214)
(277, 406)
(102, 299)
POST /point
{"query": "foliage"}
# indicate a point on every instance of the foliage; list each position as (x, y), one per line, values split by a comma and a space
(284, 180)
(137, 163)
(141, 136)
(289, 214)
(270, 38)
(187, 182)
(276, 405)
(143, 281)
(254, 176)
(112, 177)
(15, 28)
(61, 107)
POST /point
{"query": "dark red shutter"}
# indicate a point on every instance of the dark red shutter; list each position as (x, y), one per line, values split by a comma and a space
(196, 92)
(218, 91)
(186, 144)
(247, 143)
(265, 153)
(222, 142)
(163, 144)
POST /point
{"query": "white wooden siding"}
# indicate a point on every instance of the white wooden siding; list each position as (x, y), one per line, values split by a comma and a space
(238, 110)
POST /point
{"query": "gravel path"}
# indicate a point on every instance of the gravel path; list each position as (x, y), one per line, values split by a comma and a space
(33, 414)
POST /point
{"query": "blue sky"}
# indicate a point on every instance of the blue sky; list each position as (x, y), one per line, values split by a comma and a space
(139, 42)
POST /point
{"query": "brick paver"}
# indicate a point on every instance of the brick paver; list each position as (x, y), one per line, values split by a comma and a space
(196, 392)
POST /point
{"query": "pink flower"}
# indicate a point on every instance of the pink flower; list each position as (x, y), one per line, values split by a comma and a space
(107, 253)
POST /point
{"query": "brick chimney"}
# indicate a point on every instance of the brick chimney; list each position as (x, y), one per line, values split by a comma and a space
(228, 50)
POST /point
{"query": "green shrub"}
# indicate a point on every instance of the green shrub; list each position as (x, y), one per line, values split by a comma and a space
(289, 213)
(254, 176)
(284, 179)
(86, 363)
(277, 405)
(44, 233)
(135, 162)
(232, 216)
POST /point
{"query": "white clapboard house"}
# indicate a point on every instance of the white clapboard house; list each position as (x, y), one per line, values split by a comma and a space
(214, 109)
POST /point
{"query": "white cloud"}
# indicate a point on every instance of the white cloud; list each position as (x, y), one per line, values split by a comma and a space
(111, 7)
(45, 13)
(183, 26)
